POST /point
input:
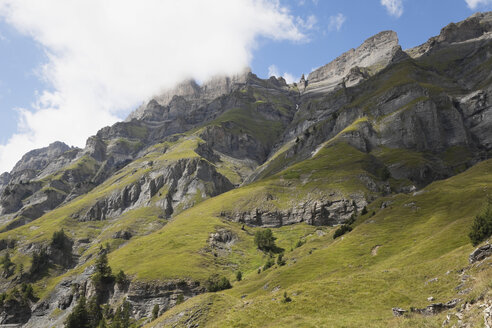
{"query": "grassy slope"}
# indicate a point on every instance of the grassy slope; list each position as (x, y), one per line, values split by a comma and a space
(341, 284)
(180, 248)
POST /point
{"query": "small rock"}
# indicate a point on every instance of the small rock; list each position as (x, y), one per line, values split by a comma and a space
(398, 312)
(430, 299)
(431, 280)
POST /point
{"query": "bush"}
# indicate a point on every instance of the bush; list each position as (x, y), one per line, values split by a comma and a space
(342, 230)
(286, 298)
(60, 241)
(121, 278)
(39, 263)
(269, 263)
(102, 267)
(351, 220)
(265, 240)
(8, 265)
(364, 211)
(121, 317)
(28, 291)
(217, 283)
(239, 276)
(79, 316)
(300, 242)
(180, 299)
(280, 260)
(155, 312)
(482, 225)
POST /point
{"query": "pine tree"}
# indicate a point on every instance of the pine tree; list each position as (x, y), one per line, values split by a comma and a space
(79, 317)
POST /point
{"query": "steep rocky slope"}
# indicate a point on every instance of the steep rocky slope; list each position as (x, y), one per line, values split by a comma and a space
(177, 191)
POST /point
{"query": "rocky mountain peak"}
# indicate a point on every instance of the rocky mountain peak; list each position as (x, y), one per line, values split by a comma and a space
(37, 159)
(476, 27)
(191, 91)
(471, 28)
(375, 53)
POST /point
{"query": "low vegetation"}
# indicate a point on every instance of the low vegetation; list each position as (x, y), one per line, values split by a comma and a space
(482, 225)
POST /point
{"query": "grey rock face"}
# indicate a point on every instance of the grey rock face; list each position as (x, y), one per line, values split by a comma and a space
(14, 312)
(377, 51)
(315, 212)
(184, 179)
(436, 308)
(38, 159)
(474, 27)
(480, 253)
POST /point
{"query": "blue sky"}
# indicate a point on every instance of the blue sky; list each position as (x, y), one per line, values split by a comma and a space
(421, 19)
(68, 70)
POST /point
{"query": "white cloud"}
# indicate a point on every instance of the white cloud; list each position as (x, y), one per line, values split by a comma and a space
(473, 4)
(336, 22)
(106, 57)
(274, 71)
(308, 23)
(394, 7)
(303, 2)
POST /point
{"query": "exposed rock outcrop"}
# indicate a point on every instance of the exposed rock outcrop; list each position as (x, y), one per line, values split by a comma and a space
(375, 53)
(480, 253)
(315, 212)
(184, 179)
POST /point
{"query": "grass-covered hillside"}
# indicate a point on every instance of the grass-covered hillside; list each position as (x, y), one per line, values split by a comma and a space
(414, 248)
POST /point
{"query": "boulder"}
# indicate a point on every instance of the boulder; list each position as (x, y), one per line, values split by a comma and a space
(480, 253)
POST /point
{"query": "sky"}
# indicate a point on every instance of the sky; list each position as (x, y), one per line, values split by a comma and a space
(71, 67)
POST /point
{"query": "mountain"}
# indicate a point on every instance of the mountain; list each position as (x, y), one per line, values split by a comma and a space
(369, 173)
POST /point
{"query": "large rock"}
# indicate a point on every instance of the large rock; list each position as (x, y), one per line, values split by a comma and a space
(480, 253)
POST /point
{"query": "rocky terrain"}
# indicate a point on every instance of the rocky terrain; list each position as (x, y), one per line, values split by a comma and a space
(389, 147)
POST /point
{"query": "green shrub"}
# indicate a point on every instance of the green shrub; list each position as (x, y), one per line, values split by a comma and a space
(364, 211)
(121, 278)
(102, 268)
(121, 317)
(28, 291)
(269, 263)
(482, 225)
(265, 240)
(351, 220)
(280, 260)
(217, 283)
(79, 316)
(8, 265)
(60, 241)
(155, 312)
(180, 299)
(300, 242)
(239, 276)
(342, 230)
(286, 298)
(40, 262)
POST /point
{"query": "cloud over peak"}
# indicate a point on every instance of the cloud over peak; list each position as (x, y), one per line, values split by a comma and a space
(106, 57)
